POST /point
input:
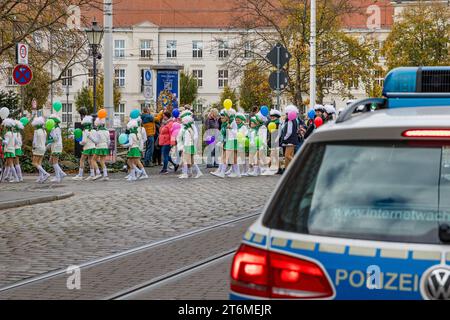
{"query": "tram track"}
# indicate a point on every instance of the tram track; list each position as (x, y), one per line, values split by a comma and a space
(197, 241)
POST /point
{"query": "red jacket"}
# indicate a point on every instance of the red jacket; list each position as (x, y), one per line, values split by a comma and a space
(164, 134)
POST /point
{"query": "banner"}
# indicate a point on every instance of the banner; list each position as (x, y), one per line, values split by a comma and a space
(167, 87)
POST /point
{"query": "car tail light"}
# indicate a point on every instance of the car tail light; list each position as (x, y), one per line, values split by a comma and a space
(267, 274)
(427, 133)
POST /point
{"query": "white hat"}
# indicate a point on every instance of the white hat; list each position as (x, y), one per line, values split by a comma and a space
(9, 123)
(259, 116)
(132, 124)
(87, 120)
(319, 107)
(330, 109)
(19, 125)
(290, 108)
(241, 116)
(275, 112)
(231, 112)
(39, 121)
(185, 113)
(99, 122)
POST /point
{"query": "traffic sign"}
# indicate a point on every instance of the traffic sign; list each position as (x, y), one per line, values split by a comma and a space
(283, 80)
(148, 92)
(284, 56)
(22, 53)
(147, 77)
(22, 74)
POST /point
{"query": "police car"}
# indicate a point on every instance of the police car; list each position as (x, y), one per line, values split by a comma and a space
(363, 211)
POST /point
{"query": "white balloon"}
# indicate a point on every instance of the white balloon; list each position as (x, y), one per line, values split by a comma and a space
(4, 113)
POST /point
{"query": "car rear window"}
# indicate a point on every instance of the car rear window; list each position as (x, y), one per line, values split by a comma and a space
(389, 191)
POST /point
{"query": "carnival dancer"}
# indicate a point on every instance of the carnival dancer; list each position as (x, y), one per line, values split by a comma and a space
(242, 136)
(231, 145)
(88, 143)
(56, 148)
(186, 141)
(9, 150)
(19, 153)
(134, 154)
(142, 137)
(258, 144)
(225, 119)
(39, 139)
(102, 146)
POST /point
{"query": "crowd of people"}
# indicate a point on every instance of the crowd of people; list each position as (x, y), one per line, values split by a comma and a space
(237, 144)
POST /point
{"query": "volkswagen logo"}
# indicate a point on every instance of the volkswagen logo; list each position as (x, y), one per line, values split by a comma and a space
(436, 283)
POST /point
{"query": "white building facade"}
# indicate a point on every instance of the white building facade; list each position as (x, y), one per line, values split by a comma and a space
(202, 52)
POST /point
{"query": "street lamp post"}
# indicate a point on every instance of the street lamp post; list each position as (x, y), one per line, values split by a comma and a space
(67, 105)
(95, 35)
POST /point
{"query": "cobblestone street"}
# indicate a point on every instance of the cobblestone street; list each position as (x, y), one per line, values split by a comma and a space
(104, 218)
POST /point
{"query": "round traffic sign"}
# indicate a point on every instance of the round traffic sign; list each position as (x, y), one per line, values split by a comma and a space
(148, 92)
(22, 74)
(148, 75)
(23, 51)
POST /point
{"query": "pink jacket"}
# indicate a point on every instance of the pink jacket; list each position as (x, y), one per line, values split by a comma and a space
(164, 134)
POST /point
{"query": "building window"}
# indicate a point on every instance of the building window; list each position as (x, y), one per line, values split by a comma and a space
(67, 77)
(197, 49)
(223, 49)
(379, 79)
(198, 75)
(248, 50)
(119, 112)
(328, 81)
(171, 49)
(146, 49)
(11, 81)
(223, 78)
(120, 77)
(67, 113)
(198, 108)
(119, 48)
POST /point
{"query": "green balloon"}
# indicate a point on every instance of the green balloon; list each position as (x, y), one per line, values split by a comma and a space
(50, 124)
(24, 121)
(78, 133)
(57, 106)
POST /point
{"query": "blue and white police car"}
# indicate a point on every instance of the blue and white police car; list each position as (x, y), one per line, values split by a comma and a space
(363, 212)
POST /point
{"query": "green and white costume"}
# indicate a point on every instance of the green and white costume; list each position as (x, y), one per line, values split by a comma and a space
(56, 145)
(102, 147)
(88, 138)
(9, 144)
(18, 139)
(39, 139)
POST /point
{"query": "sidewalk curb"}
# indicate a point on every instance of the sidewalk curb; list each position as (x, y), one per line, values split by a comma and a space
(37, 200)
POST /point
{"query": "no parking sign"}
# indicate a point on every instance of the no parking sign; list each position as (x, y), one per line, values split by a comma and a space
(22, 74)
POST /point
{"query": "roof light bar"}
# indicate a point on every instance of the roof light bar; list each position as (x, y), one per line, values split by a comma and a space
(427, 133)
